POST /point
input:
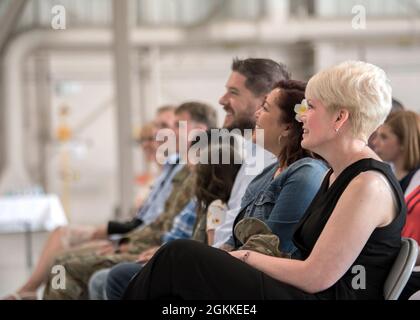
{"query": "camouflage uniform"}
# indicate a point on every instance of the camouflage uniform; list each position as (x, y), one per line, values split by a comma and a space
(80, 264)
(151, 235)
(255, 235)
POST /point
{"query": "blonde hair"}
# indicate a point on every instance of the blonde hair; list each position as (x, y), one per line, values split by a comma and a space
(406, 126)
(359, 87)
(145, 132)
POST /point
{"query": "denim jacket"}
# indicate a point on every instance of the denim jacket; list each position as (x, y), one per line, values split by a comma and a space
(281, 202)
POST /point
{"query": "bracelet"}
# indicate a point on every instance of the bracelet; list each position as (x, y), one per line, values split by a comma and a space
(246, 256)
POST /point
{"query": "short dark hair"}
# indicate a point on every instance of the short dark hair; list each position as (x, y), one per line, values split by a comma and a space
(292, 92)
(261, 74)
(396, 105)
(199, 112)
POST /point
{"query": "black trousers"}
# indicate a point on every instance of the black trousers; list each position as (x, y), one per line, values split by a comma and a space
(412, 286)
(190, 270)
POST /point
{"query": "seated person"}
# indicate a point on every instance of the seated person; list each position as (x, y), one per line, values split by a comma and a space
(398, 143)
(81, 264)
(373, 139)
(250, 81)
(280, 195)
(148, 146)
(182, 228)
(211, 181)
(354, 220)
(84, 236)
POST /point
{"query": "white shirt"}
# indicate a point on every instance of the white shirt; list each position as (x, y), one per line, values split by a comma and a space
(216, 214)
(252, 167)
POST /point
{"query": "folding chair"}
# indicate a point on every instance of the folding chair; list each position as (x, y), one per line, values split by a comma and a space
(401, 269)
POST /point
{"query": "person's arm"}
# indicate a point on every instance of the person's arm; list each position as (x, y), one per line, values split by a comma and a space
(100, 232)
(366, 204)
(115, 227)
(210, 237)
(183, 224)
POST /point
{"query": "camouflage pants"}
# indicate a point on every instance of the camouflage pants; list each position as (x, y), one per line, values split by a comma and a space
(79, 266)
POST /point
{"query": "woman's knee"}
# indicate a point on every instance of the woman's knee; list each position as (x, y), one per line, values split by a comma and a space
(182, 250)
(182, 245)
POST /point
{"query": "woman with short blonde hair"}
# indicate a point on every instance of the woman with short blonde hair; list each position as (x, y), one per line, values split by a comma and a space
(362, 88)
(348, 238)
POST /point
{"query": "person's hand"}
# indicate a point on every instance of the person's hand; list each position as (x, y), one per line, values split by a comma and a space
(123, 248)
(241, 254)
(147, 255)
(106, 248)
(100, 232)
(226, 247)
(110, 248)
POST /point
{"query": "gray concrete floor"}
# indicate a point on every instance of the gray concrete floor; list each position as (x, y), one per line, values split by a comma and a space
(87, 209)
(14, 268)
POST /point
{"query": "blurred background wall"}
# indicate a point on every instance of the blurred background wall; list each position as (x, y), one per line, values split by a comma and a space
(179, 50)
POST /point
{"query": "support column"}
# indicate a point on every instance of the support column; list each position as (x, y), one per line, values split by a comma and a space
(10, 19)
(43, 107)
(123, 104)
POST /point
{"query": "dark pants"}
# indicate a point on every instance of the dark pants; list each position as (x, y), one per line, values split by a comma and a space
(186, 269)
(118, 279)
(412, 286)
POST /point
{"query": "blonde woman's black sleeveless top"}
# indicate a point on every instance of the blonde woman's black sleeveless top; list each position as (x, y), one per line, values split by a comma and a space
(381, 249)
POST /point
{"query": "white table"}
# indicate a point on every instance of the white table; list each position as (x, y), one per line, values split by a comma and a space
(36, 213)
(28, 214)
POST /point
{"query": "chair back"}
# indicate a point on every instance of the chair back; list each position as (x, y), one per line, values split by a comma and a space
(401, 269)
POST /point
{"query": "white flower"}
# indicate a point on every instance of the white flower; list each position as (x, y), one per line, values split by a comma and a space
(300, 109)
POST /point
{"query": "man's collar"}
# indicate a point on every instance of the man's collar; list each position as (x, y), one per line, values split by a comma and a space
(172, 159)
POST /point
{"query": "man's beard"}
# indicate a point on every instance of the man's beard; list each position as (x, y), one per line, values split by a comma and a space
(242, 123)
